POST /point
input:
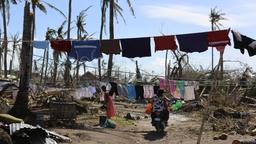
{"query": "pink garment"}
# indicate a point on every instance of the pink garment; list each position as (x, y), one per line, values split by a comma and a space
(162, 83)
(172, 86)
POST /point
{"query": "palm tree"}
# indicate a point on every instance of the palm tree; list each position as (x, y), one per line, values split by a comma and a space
(58, 35)
(80, 23)
(20, 108)
(41, 5)
(114, 11)
(5, 6)
(15, 47)
(215, 17)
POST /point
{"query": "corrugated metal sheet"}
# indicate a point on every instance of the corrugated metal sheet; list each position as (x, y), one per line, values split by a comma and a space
(17, 126)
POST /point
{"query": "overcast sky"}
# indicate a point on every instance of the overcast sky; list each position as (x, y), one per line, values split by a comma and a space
(153, 17)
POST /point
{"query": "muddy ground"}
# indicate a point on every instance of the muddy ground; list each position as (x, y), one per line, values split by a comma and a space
(183, 129)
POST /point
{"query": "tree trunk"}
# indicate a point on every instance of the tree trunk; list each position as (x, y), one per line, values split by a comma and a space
(5, 42)
(101, 33)
(111, 31)
(42, 69)
(166, 67)
(55, 64)
(46, 65)
(77, 71)
(68, 63)
(212, 51)
(1, 52)
(11, 61)
(33, 33)
(20, 108)
(221, 65)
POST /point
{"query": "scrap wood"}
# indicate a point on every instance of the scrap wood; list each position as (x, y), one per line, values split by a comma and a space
(5, 87)
(248, 100)
(221, 113)
(244, 142)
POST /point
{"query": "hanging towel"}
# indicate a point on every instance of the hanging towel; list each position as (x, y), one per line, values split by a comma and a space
(148, 91)
(131, 92)
(110, 46)
(165, 43)
(113, 88)
(91, 90)
(61, 45)
(139, 92)
(122, 90)
(172, 86)
(180, 85)
(162, 83)
(196, 42)
(156, 88)
(136, 47)
(218, 38)
(41, 44)
(85, 50)
(243, 42)
(189, 93)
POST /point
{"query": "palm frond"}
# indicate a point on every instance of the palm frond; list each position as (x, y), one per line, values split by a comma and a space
(7, 9)
(41, 7)
(130, 6)
(216, 16)
(118, 11)
(55, 8)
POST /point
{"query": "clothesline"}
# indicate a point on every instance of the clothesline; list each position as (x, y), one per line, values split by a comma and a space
(2, 39)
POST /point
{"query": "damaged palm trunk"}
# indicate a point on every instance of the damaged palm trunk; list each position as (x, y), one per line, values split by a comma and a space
(20, 108)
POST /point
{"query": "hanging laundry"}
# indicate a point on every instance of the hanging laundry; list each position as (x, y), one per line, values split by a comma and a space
(85, 50)
(41, 44)
(81, 93)
(196, 42)
(139, 92)
(148, 91)
(125, 90)
(113, 88)
(136, 47)
(91, 90)
(165, 43)
(218, 38)
(172, 86)
(189, 93)
(110, 46)
(131, 92)
(180, 85)
(156, 88)
(243, 42)
(163, 83)
(61, 45)
(120, 90)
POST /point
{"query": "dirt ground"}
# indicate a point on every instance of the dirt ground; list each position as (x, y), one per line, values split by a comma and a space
(183, 129)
